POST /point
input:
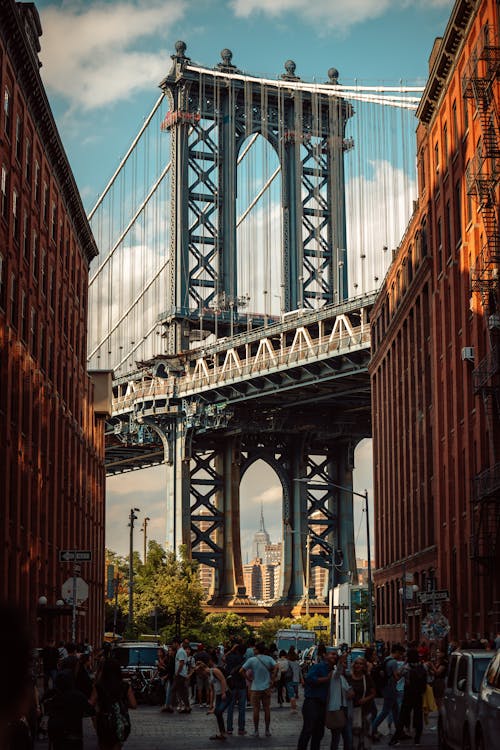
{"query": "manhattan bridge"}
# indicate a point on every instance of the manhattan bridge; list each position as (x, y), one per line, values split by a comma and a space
(243, 238)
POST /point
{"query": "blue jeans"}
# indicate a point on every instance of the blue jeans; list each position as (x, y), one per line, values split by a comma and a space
(220, 707)
(313, 712)
(390, 705)
(239, 697)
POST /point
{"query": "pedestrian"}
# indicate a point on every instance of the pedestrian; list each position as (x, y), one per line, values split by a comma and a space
(439, 667)
(65, 707)
(297, 679)
(202, 684)
(316, 684)
(112, 697)
(282, 677)
(238, 687)
(389, 678)
(338, 713)
(265, 671)
(221, 693)
(50, 658)
(179, 692)
(415, 677)
(83, 680)
(364, 693)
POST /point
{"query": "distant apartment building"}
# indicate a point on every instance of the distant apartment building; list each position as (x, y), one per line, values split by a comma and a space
(435, 367)
(51, 434)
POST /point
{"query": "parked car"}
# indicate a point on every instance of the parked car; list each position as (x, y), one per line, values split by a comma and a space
(459, 711)
(487, 731)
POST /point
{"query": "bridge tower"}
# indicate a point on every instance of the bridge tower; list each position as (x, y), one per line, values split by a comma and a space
(212, 113)
(211, 435)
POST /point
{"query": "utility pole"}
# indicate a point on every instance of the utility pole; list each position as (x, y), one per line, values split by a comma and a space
(144, 529)
(132, 518)
(308, 571)
(371, 634)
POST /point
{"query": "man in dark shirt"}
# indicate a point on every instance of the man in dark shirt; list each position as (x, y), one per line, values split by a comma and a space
(66, 708)
(50, 657)
(238, 687)
(315, 697)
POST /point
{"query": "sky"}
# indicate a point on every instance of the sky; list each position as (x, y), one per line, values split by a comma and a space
(101, 66)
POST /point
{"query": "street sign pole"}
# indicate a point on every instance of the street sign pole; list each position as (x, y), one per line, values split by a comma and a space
(76, 571)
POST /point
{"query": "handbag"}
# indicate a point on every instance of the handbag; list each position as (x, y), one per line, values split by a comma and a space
(335, 719)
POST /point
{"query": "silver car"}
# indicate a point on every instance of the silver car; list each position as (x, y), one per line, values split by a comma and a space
(459, 710)
(487, 734)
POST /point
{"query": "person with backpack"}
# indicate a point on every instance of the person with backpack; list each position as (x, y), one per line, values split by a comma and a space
(389, 676)
(65, 707)
(264, 671)
(415, 677)
(238, 687)
(283, 674)
(112, 697)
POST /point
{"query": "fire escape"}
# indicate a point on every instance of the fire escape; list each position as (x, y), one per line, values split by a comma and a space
(481, 85)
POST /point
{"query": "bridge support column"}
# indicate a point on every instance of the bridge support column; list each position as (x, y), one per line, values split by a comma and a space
(345, 510)
(295, 531)
(178, 486)
(231, 583)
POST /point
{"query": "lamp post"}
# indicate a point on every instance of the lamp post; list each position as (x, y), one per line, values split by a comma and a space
(363, 495)
(132, 518)
(144, 529)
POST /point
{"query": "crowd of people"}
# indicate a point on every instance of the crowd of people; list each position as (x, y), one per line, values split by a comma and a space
(338, 691)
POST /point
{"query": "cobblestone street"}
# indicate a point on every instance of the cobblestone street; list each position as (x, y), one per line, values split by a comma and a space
(152, 730)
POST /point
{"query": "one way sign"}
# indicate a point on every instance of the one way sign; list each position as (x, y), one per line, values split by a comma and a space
(75, 555)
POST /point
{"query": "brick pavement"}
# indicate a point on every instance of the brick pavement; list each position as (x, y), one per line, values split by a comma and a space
(152, 730)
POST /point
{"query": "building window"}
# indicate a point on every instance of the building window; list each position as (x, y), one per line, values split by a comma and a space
(34, 332)
(19, 139)
(43, 272)
(37, 182)
(25, 236)
(42, 347)
(27, 166)
(445, 145)
(7, 123)
(4, 201)
(455, 125)
(50, 359)
(439, 246)
(13, 301)
(24, 316)
(52, 288)
(447, 229)
(15, 215)
(466, 114)
(34, 257)
(436, 156)
(458, 213)
(53, 229)
(45, 203)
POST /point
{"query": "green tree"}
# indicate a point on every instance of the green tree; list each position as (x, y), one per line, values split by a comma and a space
(221, 627)
(268, 628)
(319, 623)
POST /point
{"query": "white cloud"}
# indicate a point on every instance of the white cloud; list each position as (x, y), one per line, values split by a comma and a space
(91, 51)
(340, 16)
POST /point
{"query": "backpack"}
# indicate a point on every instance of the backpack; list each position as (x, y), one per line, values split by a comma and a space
(382, 676)
(289, 673)
(113, 725)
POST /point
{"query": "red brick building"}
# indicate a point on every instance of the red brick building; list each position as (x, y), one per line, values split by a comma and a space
(51, 439)
(435, 351)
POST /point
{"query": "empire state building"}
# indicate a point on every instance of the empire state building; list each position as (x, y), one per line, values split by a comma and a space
(261, 539)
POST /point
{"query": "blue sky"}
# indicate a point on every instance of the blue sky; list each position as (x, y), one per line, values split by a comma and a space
(102, 62)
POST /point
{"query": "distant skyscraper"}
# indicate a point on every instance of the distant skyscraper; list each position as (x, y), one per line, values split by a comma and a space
(261, 539)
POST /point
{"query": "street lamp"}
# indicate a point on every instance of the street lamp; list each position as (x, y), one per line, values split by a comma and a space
(368, 552)
(144, 529)
(132, 518)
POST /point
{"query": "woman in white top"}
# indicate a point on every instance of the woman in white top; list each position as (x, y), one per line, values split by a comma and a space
(221, 693)
(340, 699)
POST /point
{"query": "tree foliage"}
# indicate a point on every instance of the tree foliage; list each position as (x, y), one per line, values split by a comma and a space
(267, 630)
(222, 627)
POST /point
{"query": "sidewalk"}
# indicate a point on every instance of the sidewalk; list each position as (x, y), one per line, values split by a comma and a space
(152, 730)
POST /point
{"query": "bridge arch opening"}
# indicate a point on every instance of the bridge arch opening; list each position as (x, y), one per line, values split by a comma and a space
(261, 531)
(259, 228)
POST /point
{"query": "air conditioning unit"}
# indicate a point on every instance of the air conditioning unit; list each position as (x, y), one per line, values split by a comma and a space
(468, 353)
(494, 322)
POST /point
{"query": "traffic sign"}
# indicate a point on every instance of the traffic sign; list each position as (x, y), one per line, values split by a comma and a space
(75, 555)
(320, 627)
(430, 597)
(82, 590)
